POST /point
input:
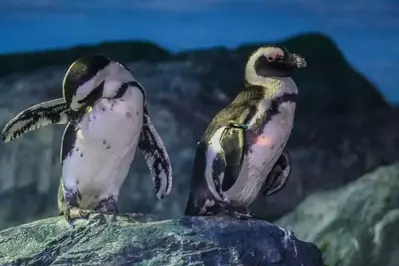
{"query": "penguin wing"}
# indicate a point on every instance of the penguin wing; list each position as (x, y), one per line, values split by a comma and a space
(37, 116)
(278, 176)
(68, 141)
(215, 166)
(233, 144)
(235, 118)
(156, 157)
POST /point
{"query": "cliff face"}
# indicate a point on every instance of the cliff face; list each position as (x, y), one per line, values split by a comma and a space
(337, 135)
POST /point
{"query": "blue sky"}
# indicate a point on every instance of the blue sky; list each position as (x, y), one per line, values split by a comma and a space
(367, 31)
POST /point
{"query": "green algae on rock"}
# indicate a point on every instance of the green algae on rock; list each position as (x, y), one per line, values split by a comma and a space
(104, 240)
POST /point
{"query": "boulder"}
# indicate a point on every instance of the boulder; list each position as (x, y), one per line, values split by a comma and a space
(110, 240)
(356, 225)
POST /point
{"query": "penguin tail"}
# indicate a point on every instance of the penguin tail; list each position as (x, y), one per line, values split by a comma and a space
(156, 157)
(40, 115)
(201, 201)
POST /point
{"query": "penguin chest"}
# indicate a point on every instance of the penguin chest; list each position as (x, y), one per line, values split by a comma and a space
(264, 149)
(104, 148)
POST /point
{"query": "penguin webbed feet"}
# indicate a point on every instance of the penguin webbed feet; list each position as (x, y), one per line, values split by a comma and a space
(238, 212)
(138, 217)
(235, 124)
(131, 217)
(74, 214)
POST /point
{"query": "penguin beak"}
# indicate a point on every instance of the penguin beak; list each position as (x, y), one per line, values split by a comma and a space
(297, 61)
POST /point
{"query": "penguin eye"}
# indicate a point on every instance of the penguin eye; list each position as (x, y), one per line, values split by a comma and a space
(269, 58)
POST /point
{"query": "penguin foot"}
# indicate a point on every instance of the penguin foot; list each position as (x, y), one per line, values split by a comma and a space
(131, 217)
(241, 213)
(107, 205)
(139, 217)
(73, 214)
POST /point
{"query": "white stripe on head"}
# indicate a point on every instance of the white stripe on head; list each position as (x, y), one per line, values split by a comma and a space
(113, 76)
(272, 83)
(250, 73)
(117, 75)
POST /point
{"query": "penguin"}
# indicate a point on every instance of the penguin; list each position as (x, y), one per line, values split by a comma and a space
(106, 116)
(242, 151)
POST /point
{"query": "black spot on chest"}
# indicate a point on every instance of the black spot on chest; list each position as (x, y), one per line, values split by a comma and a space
(271, 113)
(106, 145)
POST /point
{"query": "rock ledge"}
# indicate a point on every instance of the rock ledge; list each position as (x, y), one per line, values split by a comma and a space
(104, 240)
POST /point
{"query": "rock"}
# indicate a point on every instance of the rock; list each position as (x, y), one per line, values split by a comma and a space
(356, 225)
(102, 240)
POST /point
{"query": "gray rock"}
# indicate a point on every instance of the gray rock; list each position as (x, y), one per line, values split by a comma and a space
(104, 240)
(356, 225)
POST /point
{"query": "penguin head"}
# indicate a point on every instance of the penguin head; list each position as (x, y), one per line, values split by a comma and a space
(272, 61)
(92, 77)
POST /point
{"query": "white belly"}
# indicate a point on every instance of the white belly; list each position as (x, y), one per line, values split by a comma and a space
(261, 157)
(104, 150)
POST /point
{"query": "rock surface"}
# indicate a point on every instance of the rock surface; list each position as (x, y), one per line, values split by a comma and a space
(356, 225)
(186, 241)
(328, 149)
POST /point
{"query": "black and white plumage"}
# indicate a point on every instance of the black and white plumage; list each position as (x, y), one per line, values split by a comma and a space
(37, 116)
(156, 157)
(107, 118)
(243, 149)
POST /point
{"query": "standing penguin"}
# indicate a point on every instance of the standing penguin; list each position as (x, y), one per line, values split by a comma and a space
(107, 118)
(243, 149)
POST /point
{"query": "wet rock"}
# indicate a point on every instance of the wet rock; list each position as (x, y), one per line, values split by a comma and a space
(107, 240)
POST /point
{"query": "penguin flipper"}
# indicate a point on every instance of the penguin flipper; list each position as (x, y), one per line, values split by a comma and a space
(278, 176)
(156, 157)
(35, 117)
(233, 144)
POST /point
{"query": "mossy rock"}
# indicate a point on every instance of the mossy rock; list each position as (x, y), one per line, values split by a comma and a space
(109, 240)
